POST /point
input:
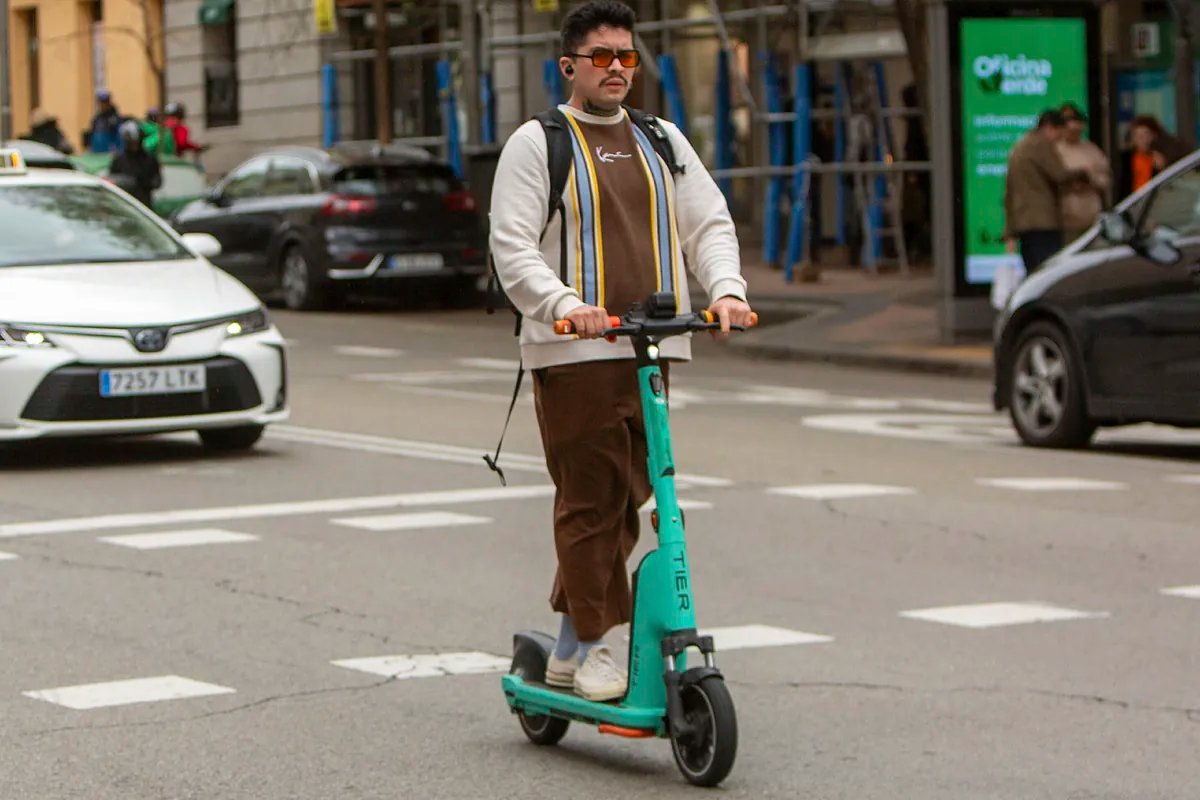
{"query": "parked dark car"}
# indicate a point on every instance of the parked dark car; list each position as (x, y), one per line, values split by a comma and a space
(311, 224)
(40, 156)
(1108, 331)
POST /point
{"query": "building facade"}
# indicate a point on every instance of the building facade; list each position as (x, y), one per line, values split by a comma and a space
(61, 52)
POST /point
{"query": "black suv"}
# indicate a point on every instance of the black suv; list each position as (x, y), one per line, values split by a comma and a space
(311, 224)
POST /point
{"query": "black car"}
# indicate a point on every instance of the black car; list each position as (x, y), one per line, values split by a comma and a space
(311, 223)
(1108, 331)
(40, 156)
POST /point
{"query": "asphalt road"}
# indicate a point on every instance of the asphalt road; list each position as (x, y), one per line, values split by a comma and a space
(914, 605)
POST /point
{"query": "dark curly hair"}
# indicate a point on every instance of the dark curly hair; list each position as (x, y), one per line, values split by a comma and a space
(588, 17)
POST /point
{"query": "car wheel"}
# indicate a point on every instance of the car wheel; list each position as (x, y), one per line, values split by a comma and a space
(301, 289)
(1046, 400)
(242, 437)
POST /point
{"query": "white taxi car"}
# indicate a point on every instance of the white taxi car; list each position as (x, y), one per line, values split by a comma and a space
(110, 323)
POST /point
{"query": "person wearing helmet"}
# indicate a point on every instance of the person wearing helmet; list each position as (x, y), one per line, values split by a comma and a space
(135, 169)
(155, 136)
(101, 136)
(180, 132)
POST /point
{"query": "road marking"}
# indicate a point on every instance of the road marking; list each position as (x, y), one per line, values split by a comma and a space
(123, 693)
(1052, 484)
(526, 398)
(744, 637)
(158, 541)
(428, 666)
(1190, 592)
(512, 462)
(404, 522)
(992, 615)
(8, 556)
(432, 377)
(504, 364)
(332, 506)
(1189, 479)
(840, 491)
(946, 428)
(355, 351)
(684, 503)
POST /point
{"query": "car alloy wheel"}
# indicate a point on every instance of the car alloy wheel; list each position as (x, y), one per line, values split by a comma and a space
(1046, 404)
(295, 279)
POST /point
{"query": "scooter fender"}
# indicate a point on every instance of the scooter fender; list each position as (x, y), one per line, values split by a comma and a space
(532, 649)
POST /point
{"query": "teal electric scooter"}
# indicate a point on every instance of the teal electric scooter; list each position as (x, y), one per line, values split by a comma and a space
(690, 706)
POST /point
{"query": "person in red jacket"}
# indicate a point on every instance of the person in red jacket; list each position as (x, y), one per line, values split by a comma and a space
(175, 115)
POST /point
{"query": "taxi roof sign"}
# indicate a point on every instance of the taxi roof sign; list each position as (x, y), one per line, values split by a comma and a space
(11, 162)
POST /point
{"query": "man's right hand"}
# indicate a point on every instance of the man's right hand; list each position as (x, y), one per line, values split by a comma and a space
(590, 321)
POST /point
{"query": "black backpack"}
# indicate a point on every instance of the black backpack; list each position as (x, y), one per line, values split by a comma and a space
(559, 154)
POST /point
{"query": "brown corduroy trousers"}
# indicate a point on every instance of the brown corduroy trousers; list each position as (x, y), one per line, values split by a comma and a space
(590, 415)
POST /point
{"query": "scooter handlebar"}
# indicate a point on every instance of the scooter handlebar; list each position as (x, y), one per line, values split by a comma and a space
(699, 321)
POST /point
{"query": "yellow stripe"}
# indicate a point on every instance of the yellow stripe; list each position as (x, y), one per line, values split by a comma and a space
(677, 278)
(587, 154)
(578, 232)
(653, 214)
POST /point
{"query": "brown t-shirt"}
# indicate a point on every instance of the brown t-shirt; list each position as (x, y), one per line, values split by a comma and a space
(621, 245)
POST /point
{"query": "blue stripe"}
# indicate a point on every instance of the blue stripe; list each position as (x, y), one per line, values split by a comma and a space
(663, 221)
(587, 220)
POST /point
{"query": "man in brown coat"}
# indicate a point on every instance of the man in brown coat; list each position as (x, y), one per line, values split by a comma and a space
(1036, 181)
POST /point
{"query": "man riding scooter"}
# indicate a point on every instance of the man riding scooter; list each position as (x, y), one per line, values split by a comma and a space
(135, 169)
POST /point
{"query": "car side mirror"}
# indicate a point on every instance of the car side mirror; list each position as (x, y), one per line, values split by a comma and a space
(204, 245)
(216, 197)
(1116, 228)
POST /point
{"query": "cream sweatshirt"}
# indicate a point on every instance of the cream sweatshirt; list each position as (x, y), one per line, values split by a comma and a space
(701, 238)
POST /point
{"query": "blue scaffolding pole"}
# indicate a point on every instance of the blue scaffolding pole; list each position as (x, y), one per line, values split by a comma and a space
(552, 82)
(329, 106)
(777, 139)
(487, 104)
(839, 151)
(723, 126)
(673, 92)
(801, 151)
(879, 193)
(449, 116)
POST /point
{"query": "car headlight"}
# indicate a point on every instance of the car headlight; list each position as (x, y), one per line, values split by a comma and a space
(16, 336)
(252, 322)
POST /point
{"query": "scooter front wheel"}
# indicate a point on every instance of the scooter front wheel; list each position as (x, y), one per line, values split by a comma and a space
(705, 750)
(542, 729)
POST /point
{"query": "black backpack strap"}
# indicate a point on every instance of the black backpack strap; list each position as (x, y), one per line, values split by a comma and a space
(559, 152)
(657, 134)
(492, 461)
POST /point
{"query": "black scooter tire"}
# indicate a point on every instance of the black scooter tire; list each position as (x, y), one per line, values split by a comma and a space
(706, 758)
(541, 729)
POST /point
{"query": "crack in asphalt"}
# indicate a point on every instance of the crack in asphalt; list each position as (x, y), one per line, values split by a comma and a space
(890, 523)
(1192, 714)
(227, 585)
(210, 714)
(66, 562)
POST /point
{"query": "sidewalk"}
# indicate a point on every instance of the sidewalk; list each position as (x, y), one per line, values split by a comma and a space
(849, 317)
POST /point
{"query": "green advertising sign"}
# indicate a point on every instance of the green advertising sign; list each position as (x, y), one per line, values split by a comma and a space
(1012, 70)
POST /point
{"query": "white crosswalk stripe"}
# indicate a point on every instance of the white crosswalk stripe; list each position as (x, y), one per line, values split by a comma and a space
(407, 522)
(127, 692)
(993, 615)
(9, 556)
(166, 539)
(1052, 484)
(745, 637)
(1190, 592)
(427, 666)
(356, 351)
(840, 491)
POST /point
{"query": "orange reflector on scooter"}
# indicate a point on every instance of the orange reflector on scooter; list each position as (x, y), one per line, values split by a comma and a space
(628, 733)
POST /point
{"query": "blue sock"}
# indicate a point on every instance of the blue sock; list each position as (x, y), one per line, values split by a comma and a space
(568, 640)
(584, 647)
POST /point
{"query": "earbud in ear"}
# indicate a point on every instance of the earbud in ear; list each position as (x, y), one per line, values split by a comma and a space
(568, 69)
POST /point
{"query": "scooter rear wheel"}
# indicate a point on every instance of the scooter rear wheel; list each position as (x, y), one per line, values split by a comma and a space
(705, 753)
(541, 729)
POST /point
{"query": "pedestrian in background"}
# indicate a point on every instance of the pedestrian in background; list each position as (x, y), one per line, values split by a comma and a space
(1150, 150)
(44, 128)
(1083, 201)
(135, 169)
(180, 132)
(1033, 189)
(916, 194)
(101, 136)
(155, 136)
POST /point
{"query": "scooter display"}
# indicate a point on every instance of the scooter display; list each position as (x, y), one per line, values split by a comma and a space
(665, 697)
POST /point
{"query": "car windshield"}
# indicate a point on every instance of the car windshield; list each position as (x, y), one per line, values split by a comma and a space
(385, 179)
(47, 225)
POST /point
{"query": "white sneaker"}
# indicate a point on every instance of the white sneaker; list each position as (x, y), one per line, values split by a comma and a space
(560, 673)
(598, 677)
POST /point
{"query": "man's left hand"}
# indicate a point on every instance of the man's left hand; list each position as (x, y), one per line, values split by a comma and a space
(730, 311)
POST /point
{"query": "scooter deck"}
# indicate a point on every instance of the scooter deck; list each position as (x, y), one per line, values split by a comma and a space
(534, 697)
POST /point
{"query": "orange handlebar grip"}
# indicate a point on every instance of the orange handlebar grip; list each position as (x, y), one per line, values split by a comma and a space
(753, 318)
(708, 316)
(564, 326)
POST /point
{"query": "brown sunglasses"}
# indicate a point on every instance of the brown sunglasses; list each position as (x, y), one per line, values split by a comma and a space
(604, 57)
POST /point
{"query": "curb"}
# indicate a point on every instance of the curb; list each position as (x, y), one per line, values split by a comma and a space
(884, 361)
